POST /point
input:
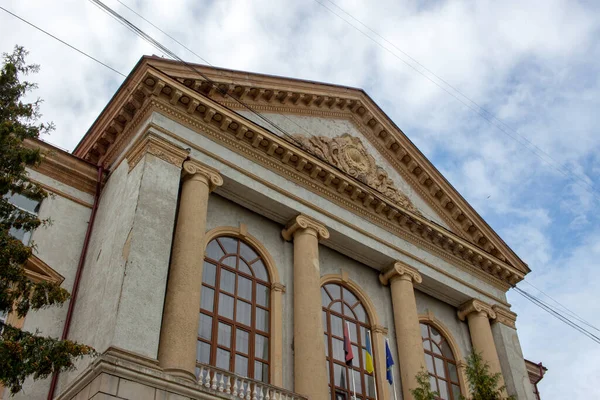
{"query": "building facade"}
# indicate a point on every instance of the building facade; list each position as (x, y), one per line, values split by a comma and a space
(222, 230)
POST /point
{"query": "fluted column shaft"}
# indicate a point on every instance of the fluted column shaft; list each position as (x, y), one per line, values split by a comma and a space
(478, 315)
(310, 367)
(411, 357)
(177, 349)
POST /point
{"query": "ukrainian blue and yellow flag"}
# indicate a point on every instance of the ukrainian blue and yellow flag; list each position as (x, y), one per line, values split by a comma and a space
(369, 355)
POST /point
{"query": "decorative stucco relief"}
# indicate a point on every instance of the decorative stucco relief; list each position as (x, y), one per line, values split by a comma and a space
(349, 154)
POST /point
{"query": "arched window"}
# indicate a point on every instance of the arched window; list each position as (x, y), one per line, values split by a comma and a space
(234, 329)
(441, 363)
(341, 306)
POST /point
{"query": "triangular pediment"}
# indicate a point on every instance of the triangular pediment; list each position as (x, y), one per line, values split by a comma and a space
(38, 271)
(442, 215)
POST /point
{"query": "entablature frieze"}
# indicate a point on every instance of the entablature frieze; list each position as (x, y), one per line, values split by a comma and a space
(185, 105)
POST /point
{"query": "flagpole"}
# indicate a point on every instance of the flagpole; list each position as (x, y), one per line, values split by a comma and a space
(374, 377)
(392, 367)
(351, 369)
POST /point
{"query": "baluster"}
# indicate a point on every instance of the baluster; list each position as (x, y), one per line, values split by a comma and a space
(214, 381)
(235, 386)
(200, 374)
(254, 392)
(242, 388)
(248, 392)
(207, 378)
(222, 383)
(228, 386)
(261, 395)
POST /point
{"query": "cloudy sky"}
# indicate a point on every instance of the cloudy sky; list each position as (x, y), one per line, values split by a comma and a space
(529, 63)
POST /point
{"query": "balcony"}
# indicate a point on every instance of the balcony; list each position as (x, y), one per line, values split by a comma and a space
(229, 385)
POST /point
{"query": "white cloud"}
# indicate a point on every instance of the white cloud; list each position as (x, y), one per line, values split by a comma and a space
(534, 64)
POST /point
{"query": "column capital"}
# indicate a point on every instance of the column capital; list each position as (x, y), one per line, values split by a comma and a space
(304, 223)
(157, 146)
(475, 306)
(379, 329)
(402, 271)
(193, 169)
(505, 316)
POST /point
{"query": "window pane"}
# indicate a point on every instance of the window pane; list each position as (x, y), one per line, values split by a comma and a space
(262, 295)
(205, 327)
(230, 261)
(243, 267)
(443, 390)
(227, 281)
(357, 381)
(436, 349)
(244, 288)
(203, 352)
(247, 252)
(207, 298)
(209, 272)
(261, 372)
(424, 331)
(361, 315)
(24, 203)
(439, 367)
(243, 313)
(433, 384)
(348, 311)
(334, 291)
(241, 365)
(241, 341)
(349, 297)
(356, 354)
(435, 335)
(261, 347)
(371, 386)
(447, 351)
(352, 332)
(337, 307)
(262, 320)
(453, 372)
(260, 271)
(229, 244)
(325, 299)
(324, 320)
(337, 328)
(223, 359)
(429, 362)
(226, 306)
(213, 250)
(427, 345)
(339, 376)
(338, 349)
(326, 345)
(224, 335)
(456, 392)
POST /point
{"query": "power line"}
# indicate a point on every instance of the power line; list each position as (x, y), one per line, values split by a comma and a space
(556, 314)
(482, 112)
(63, 42)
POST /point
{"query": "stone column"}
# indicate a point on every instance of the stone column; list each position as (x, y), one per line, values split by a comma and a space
(478, 315)
(310, 367)
(277, 290)
(178, 336)
(411, 357)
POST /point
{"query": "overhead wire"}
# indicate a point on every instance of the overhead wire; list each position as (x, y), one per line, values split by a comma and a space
(476, 108)
(63, 42)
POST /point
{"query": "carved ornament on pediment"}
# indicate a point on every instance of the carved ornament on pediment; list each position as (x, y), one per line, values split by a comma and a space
(350, 155)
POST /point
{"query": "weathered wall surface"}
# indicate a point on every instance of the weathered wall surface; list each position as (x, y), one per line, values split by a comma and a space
(222, 212)
(318, 126)
(512, 364)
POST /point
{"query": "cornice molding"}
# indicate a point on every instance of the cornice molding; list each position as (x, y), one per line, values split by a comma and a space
(302, 222)
(158, 147)
(253, 141)
(400, 270)
(505, 316)
(475, 306)
(64, 167)
(38, 271)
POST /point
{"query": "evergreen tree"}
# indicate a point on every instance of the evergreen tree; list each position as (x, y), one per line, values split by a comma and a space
(423, 391)
(22, 353)
(483, 385)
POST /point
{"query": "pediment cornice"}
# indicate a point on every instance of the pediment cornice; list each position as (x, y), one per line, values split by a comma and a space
(153, 90)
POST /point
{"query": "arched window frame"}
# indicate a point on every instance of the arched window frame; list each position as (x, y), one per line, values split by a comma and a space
(379, 333)
(432, 321)
(277, 290)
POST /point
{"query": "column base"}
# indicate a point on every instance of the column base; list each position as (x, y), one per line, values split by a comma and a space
(181, 373)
